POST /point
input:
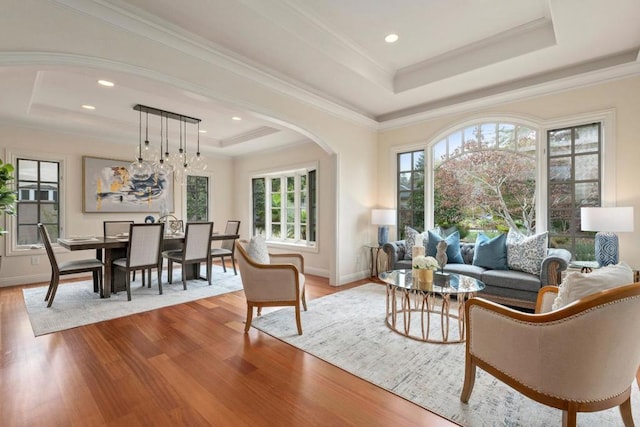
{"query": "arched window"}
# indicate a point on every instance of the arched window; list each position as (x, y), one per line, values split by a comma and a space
(484, 178)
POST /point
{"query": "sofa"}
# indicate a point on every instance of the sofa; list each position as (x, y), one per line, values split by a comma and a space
(510, 287)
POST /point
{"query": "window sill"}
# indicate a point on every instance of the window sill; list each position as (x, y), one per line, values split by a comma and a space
(303, 247)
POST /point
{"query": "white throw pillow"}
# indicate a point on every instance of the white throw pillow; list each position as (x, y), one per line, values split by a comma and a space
(257, 250)
(579, 285)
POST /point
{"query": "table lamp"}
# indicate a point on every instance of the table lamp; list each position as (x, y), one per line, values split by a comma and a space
(383, 218)
(607, 221)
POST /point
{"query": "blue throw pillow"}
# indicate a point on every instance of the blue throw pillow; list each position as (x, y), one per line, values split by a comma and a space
(491, 253)
(453, 247)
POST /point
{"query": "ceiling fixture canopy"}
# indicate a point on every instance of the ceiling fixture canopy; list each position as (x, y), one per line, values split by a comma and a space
(149, 161)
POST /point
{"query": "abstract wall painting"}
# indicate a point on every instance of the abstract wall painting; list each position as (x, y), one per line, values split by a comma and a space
(109, 187)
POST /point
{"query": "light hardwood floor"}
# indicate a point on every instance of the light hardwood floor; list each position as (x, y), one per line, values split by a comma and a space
(185, 365)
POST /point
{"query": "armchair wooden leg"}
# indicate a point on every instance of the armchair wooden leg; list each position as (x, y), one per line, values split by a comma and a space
(625, 411)
(304, 300)
(224, 265)
(469, 380)
(249, 317)
(184, 276)
(298, 320)
(233, 262)
(170, 271)
(569, 418)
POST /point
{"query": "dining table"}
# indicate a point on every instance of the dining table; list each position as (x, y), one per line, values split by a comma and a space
(115, 247)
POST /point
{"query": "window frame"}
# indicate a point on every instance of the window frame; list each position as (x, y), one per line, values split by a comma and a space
(311, 205)
(209, 177)
(606, 118)
(11, 246)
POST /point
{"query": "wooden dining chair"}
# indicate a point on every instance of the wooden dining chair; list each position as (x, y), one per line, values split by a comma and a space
(115, 228)
(92, 265)
(143, 253)
(197, 244)
(228, 246)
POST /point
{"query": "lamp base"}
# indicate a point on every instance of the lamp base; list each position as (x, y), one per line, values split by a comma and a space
(606, 248)
(383, 235)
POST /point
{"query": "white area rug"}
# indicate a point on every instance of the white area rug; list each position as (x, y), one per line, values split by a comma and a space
(76, 304)
(347, 329)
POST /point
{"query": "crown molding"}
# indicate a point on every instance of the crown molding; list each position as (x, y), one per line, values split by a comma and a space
(541, 85)
(143, 24)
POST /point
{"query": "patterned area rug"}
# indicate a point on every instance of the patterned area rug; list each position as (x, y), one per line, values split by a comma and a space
(347, 329)
(76, 304)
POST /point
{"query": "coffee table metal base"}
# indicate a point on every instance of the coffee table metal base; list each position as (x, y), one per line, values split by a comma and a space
(406, 306)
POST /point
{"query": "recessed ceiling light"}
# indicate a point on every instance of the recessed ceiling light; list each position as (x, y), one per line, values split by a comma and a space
(88, 107)
(236, 118)
(202, 131)
(391, 38)
(106, 83)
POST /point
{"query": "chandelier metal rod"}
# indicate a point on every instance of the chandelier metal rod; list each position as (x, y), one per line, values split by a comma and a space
(168, 114)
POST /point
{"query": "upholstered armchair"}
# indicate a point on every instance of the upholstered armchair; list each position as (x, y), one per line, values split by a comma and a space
(580, 358)
(280, 282)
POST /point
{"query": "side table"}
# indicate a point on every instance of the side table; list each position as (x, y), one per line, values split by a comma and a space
(376, 263)
(585, 266)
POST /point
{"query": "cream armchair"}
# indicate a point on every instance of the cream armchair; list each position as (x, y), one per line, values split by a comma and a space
(280, 283)
(583, 357)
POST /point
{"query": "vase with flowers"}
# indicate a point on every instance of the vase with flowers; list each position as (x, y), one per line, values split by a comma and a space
(423, 268)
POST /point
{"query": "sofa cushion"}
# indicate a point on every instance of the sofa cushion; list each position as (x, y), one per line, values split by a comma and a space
(579, 285)
(466, 269)
(526, 253)
(491, 253)
(511, 279)
(453, 246)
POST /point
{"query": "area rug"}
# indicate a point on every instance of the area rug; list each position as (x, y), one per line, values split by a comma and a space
(347, 329)
(76, 304)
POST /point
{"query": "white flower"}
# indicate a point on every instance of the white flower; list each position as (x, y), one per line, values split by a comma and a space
(427, 262)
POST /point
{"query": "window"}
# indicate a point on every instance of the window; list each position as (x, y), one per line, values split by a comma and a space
(574, 180)
(38, 199)
(484, 178)
(197, 198)
(410, 191)
(284, 206)
(490, 176)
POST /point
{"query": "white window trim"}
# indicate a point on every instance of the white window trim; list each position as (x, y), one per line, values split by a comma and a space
(11, 249)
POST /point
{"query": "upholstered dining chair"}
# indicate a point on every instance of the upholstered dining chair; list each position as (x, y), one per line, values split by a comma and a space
(228, 246)
(92, 265)
(116, 228)
(197, 244)
(582, 357)
(143, 253)
(279, 282)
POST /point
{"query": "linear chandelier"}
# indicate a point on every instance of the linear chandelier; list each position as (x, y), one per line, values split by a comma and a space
(149, 161)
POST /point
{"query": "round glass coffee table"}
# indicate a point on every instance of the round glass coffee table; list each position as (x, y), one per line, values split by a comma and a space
(408, 299)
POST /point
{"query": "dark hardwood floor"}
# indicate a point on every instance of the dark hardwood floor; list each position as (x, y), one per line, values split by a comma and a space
(185, 365)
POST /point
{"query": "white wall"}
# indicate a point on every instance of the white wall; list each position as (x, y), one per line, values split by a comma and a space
(623, 96)
(18, 269)
(317, 260)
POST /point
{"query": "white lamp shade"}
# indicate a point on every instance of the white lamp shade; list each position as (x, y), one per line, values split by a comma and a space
(619, 219)
(383, 217)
